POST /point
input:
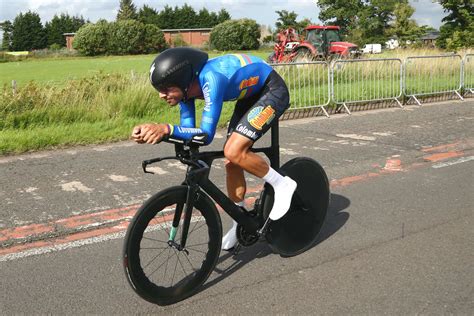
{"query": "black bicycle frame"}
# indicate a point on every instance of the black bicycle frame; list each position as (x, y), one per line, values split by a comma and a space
(198, 177)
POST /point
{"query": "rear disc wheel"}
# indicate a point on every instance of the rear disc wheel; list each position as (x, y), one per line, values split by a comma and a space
(297, 231)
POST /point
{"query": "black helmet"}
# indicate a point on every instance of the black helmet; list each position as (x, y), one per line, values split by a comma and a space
(177, 67)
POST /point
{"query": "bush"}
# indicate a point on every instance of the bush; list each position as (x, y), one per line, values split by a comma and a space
(241, 34)
(55, 47)
(119, 38)
(154, 39)
(92, 39)
(179, 41)
(125, 37)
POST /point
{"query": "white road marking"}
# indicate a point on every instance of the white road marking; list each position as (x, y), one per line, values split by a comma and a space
(384, 133)
(156, 170)
(355, 136)
(30, 190)
(119, 178)
(102, 148)
(178, 165)
(355, 144)
(54, 248)
(320, 148)
(83, 242)
(453, 162)
(287, 151)
(342, 141)
(75, 186)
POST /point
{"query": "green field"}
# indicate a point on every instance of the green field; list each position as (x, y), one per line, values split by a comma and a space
(59, 70)
(77, 100)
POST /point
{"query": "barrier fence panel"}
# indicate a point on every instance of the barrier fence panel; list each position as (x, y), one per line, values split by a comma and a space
(468, 73)
(308, 84)
(365, 80)
(429, 75)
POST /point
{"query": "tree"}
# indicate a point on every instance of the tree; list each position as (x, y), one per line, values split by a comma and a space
(241, 34)
(186, 17)
(222, 16)
(458, 27)
(343, 13)
(154, 39)
(127, 10)
(214, 19)
(403, 27)
(148, 15)
(7, 28)
(286, 20)
(364, 21)
(204, 18)
(28, 32)
(60, 25)
(166, 18)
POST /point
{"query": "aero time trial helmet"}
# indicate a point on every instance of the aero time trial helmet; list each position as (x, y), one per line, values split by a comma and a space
(177, 67)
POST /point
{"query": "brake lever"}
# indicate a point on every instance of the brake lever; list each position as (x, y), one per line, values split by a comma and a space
(145, 163)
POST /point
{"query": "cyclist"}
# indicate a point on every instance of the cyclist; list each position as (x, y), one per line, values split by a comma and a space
(184, 74)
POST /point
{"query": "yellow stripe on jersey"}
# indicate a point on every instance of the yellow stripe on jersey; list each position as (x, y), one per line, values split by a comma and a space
(242, 60)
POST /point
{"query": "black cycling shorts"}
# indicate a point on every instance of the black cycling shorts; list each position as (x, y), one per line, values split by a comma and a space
(254, 116)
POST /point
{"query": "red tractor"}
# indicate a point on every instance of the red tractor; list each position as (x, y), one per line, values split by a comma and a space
(317, 42)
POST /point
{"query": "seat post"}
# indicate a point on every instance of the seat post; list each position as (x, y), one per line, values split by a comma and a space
(275, 145)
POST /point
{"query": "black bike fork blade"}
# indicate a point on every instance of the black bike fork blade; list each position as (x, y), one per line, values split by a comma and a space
(191, 195)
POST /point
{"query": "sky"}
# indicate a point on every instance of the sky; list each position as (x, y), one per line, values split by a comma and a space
(427, 12)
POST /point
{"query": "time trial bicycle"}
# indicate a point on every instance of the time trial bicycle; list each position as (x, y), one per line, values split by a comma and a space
(174, 240)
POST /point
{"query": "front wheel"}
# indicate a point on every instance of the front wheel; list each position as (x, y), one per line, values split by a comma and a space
(157, 269)
(297, 231)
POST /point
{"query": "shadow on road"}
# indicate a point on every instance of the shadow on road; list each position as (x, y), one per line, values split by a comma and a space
(229, 262)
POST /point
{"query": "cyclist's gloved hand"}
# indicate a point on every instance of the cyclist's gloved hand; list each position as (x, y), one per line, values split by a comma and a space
(150, 133)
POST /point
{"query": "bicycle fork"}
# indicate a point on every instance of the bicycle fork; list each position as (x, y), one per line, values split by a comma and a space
(190, 198)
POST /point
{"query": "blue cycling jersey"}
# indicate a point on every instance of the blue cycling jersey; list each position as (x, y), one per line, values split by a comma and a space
(224, 78)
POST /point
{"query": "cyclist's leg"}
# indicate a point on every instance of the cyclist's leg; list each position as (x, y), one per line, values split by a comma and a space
(235, 180)
(271, 104)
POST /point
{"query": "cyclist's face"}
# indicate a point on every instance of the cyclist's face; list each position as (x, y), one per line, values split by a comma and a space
(172, 95)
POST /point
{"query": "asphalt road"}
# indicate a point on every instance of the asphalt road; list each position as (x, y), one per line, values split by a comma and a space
(398, 238)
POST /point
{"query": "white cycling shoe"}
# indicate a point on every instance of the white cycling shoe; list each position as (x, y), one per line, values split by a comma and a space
(283, 193)
(230, 239)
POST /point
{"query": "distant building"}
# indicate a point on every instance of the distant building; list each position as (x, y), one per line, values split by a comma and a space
(429, 39)
(69, 40)
(192, 37)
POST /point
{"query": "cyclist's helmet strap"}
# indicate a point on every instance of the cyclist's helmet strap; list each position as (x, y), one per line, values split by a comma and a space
(177, 67)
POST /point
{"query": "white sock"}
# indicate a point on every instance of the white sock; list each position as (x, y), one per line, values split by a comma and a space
(230, 239)
(284, 188)
(272, 177)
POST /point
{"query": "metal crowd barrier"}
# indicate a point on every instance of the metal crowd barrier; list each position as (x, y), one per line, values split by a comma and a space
(468, 73)
(364, 80)
(308, 84)
(430, 75)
